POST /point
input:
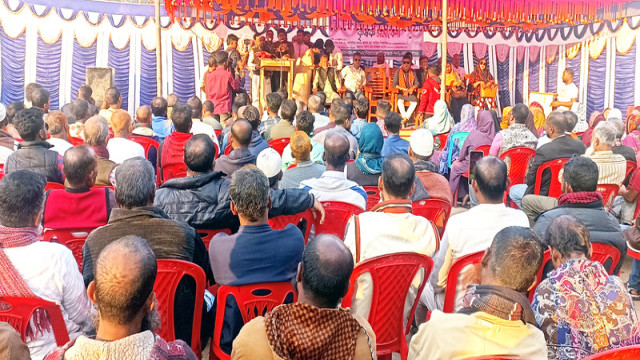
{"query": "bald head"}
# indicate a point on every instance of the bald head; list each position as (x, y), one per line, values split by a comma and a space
(121, 123)
(241, 131)
(327, 265)
(143, 114)
(491, 178)
(124, 276)
(398, 175)
(557, 121)
(199, 153)
(336, 149)
(80, 166)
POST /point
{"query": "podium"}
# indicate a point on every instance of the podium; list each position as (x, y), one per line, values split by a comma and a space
(276, 65)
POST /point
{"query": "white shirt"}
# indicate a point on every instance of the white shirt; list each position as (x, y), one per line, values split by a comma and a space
(198, 127)
(566, 93)
(543, 140)
(51, 272)
(333, 186)
(354, 78)
(320, 120)
(121, 149)
(59, 145)
(335, 60)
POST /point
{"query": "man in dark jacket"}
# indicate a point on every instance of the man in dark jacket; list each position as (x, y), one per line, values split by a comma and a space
(167, 238)
(561, 146)
(202, 198)
(241, 133)
(581, 200)
(33, 154)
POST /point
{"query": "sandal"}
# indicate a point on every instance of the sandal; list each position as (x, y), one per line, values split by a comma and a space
(635, 294)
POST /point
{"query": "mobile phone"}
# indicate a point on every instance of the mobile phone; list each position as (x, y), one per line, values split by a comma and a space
(474, 156)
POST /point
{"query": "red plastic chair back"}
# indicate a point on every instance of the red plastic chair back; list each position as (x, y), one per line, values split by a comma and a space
(228, 149)
(436, 210)
(609, 192)
(631, 166)
(147, 144)
(18, 311)
(442, 138)
(337, 214)
(279, 144)
(484, 148)
(280, 222)
(170, 272)
(540, 274)
(603, 252)
(75, 141)
(73, 239)
(217, 132)
(623, 353)
(207, 235)
(373, 196)
(253, 300)
(391, 279)
(452, 279)
(555, 188)
(174, 171)
(520, 157)
(292, 166)
(54, 186)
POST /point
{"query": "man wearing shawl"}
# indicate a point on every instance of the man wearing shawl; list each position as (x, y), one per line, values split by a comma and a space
(406, 82)
(496, 318)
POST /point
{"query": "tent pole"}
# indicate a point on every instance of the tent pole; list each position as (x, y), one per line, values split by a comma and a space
(158, 50)
(443, 75)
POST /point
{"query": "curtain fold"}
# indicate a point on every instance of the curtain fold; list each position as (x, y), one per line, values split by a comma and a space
(534, 71)
(574, 64)
(503, 82)
(552, 76)
(625, 79)
(183, 73)
(119, 60)
(13, 57)
(82, 58)
(48, 69)
(595, 88)
(519, 81)
(148, 86)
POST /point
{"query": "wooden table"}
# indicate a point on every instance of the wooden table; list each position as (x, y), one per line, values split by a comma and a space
(276, 65)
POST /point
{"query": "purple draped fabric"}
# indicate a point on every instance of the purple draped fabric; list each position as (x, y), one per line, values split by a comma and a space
(13, 57)
(184, 78)
(119, 60)
(48, 69)
(503, 83)
(534, 70)
(551, 77)
(519, 82)
(205, 55)
(433, 60)
(574, 64)
(82, 58)
(595, 88)
(148, 85)
(625, 79)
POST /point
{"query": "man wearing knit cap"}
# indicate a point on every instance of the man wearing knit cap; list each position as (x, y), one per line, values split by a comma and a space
(270, 162)
(420, 151)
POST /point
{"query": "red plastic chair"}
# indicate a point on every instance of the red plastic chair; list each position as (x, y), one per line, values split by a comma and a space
(292, 166)
(436, 210)
(603, 252)
(373, 196)
(253, 300)
(228, 149)
(391, 278)
(280, 222)
(279, 144)
(452, 279)
(73, 239)
(217, 132)
(54, 186)
(609, 192)
(170, 272)
(147, 144)
(623, 353)
(555, 188)
(174, 171)
(18, 311)
(75, 141)
(207, 235)
(337, 214)
(520, 157)
(540, 274)
(631, 166)
(442, 138)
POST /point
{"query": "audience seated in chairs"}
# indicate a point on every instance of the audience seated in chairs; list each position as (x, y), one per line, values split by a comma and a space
(207, 115)
(284, 128)
(127, 312)
(252, 115)
(251, 255)
(81, 111)
(496, 318)
(612, 167)
(59, 131)
(618, 148)
(301, 148)
(270, 163)
(473, 230)
(389, 227)
(382, 109)
(120, 147)
(7, 142)
(143, 124)
(197, 125)
(316, 324)
(96, 135)
(34, 268)
(394, 144)
(112, 103)
(420, 152)
(316, 108)
(161, 126)
(172, 149)
(201, 199)
(34, 153)
(581, 309)
(340, 119)
(516, 135)
(580, 200)
(241, 133)
(361, 111)
(367, 167)
(274, 101)
(79, 205)
(168, 239)
(305, 122)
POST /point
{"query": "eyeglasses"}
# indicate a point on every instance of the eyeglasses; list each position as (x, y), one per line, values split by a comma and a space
(483, 63)
(406, 62)
(354, 60)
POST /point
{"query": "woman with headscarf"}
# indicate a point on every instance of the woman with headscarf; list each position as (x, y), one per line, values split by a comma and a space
(538, 119)
(506, 114)
(481, 78)
(441, 120)
(633, 134)
(368, 165)
(595, 118)
(467, 124)
(483, 135)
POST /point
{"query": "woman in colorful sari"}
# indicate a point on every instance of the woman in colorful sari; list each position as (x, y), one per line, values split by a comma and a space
(483, 135)
(538, 119)
(479, 78)
(506, 114)
(633, 135)
(457, 92)
(467, 124)
(368, 165)
(595, 118)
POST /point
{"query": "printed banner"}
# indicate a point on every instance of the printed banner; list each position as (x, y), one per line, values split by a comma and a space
(394, 44)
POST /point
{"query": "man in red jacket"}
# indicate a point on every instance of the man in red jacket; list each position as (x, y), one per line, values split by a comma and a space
(171, 159)
(430, 91)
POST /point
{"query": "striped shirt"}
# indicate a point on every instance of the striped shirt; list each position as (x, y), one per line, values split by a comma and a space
(611, 167)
